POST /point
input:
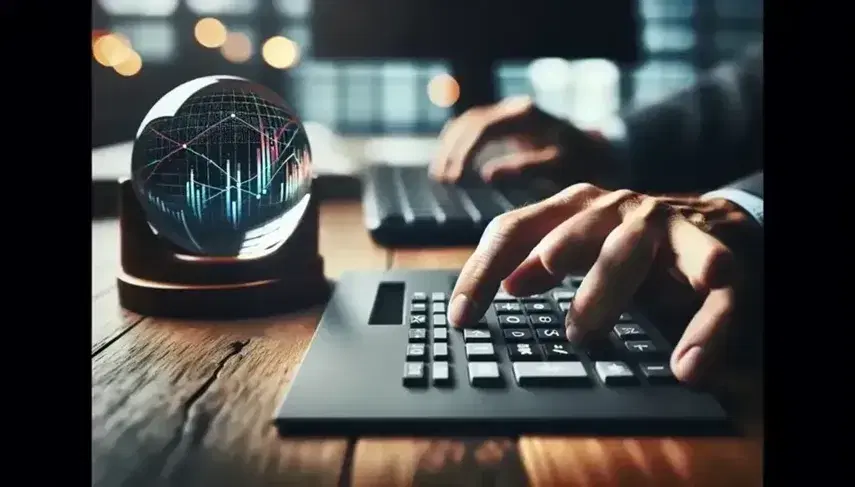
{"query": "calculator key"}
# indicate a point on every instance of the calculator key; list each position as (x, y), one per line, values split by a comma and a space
(534, 298)
(418, 308)
(551, 335)
(438, 308)
(512, 321)
(440, 374)
(551, 374)
(508, 308)
(418, 335)
(629, 332)
(524, 352)
(544, 321)
(576, 281)
(440, 351)
(418, 321)
(518, 335)
(470, 335)
(641, 348)
(480, 351)
(440, 334)
(484, 374)
(416, 352)
(419, 297)
(657, 373)
(558, 352)
(625, 317)
(538, 307)
(615, 373)
(564, 306)
(564, 295)
(414, 374)
(436, 297)
(504, 297)
(440, 321)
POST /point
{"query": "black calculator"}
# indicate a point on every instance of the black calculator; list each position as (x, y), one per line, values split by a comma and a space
(385, 361)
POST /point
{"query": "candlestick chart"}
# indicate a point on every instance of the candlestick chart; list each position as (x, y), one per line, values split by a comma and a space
(225, 161)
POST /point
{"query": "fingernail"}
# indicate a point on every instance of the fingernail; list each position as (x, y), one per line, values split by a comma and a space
(689, 363)
(459, 310)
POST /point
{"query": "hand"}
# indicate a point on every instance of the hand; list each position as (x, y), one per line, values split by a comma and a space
(545, 145)
(619, 240)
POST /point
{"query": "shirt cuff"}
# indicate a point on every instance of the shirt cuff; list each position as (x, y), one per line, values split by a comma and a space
(747, 201)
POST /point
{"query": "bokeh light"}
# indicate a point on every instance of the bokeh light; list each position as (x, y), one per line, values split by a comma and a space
(237, 48)
(280, 52)
(111, 49)
(130, 66)
(210, 32)
(443, 90)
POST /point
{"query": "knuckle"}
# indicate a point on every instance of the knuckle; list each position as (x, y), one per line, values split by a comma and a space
(580, 190)
(504, 226)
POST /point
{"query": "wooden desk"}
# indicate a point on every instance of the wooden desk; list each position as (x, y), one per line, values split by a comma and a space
(189, 404)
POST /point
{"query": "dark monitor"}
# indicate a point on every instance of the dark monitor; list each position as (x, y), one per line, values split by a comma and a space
(473, 34)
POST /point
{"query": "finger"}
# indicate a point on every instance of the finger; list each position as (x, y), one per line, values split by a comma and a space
(447, 138)
(571, 248)
(701, 258)
(474, 135)
(693, 356)
(514, 164)
(625, 259)
(507, 240)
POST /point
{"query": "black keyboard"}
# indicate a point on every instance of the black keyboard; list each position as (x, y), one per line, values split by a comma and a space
(404, 207)
(384, 361)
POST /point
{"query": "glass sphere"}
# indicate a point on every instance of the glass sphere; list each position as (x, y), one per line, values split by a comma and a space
(222, 167)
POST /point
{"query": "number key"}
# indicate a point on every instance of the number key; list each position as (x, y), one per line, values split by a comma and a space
(543, 321)
(551, 335)
(539, 307)
(512, 321)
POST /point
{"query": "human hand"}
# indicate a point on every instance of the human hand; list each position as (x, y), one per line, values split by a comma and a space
(544, 144)
(619, 240)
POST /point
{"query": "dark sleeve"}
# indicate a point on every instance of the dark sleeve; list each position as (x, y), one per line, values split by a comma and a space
(703, 137)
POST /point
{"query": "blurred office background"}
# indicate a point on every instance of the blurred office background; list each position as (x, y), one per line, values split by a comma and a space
(173, 41)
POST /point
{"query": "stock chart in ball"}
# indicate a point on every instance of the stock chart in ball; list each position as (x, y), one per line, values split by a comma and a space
(222, 167)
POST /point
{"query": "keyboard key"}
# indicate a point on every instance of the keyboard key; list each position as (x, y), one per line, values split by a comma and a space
(519, 335)
(416, 352)
(576, 281)
(629, 332)
(626, 317)
(440, 321)
(539, 307)
(418, 335)
(484, 374)
(418, 321)
(418, 308)
(544, 321)
(419, 297)
(437, 297)
(440, 335)
(414, 374)
(558, 352)
(470, 335)
(534, 298)
(440, 374)
(643, 348)
(480, 351)
(438, 308)
(508, 308)
(551, 374)
(440, 351)
(524, 352)
(658, 373)
(615, 373)
(512, 321)
(551, 335)
(564, 306)
(564, 295)
(502, 297)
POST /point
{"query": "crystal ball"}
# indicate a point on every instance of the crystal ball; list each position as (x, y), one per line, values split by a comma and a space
(222, 167)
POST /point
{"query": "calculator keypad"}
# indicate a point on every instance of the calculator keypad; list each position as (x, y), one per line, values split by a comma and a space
(524, 342)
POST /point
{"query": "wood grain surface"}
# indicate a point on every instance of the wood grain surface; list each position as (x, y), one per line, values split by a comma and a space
(189, 403)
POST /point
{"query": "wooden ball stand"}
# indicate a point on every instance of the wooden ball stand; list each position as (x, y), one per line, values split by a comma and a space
(157, 280)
